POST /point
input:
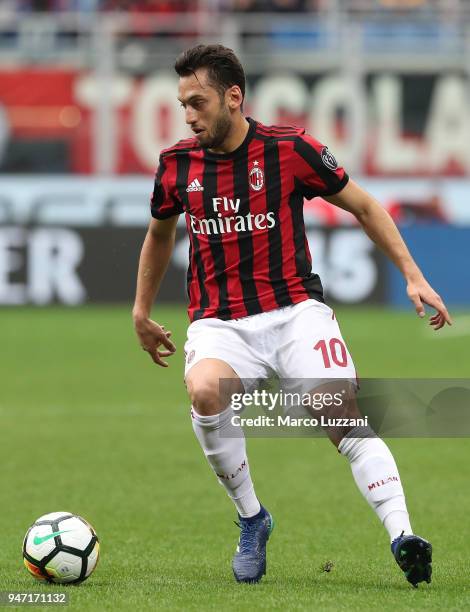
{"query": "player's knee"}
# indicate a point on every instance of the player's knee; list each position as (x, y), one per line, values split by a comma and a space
(204, 395)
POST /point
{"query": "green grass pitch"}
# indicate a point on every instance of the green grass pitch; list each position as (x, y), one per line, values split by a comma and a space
(88, 424)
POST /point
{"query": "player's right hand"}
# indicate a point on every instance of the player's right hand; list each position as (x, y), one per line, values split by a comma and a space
(151, 337)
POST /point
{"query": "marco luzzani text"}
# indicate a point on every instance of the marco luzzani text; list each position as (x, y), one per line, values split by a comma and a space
(268, 401)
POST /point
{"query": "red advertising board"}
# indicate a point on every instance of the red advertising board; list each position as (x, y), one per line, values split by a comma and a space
(391, 132)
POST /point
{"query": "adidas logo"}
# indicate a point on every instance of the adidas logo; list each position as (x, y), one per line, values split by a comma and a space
(195, 186)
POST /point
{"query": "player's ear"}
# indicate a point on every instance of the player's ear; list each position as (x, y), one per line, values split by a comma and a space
(235, 97)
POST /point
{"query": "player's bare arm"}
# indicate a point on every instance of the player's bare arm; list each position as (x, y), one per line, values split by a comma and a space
(381, 228)
(154, 257)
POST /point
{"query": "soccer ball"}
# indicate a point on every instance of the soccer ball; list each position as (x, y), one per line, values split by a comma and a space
(61, 547)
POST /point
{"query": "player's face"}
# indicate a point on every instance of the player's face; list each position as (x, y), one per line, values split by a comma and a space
(206, 111)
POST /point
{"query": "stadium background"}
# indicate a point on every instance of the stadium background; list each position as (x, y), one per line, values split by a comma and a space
(87, 100)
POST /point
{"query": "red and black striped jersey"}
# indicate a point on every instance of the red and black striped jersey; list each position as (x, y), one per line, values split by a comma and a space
(244, 216)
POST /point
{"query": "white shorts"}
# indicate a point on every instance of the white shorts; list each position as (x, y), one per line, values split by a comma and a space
(302, 341)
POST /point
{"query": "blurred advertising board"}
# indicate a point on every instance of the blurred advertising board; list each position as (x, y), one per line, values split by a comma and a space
(385, 124)
(74, 265)
(77, 240)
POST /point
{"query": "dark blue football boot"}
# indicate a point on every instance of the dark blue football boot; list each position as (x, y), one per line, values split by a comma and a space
(249, 562)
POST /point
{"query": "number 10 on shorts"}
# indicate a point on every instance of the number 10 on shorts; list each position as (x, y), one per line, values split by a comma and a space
(334, 351)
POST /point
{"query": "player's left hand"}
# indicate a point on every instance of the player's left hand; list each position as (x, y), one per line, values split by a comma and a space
(420, 292)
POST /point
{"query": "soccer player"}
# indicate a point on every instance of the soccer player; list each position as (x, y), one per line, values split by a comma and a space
(255, 307)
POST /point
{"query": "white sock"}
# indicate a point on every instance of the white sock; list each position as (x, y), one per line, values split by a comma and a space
(376, 475)
(224, 446)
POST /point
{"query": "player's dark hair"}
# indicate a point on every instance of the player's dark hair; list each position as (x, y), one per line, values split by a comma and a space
(223, 67)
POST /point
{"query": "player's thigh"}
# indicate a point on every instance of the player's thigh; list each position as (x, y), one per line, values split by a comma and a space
(210, 384)
(312, 349)
(216, 355)
(313, 360)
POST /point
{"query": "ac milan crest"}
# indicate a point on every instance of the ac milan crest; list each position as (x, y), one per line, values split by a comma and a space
(256, 177)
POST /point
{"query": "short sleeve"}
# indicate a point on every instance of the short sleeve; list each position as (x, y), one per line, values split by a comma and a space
(316, 170)
(164, 203)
